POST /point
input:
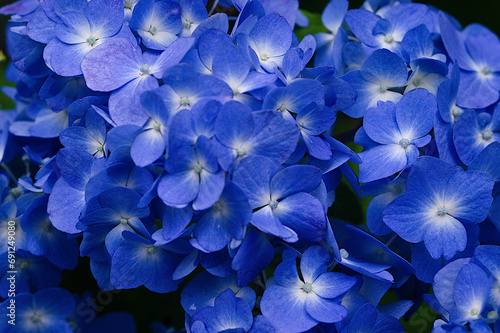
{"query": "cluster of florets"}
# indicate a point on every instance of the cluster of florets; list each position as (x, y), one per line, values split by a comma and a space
(168, 142)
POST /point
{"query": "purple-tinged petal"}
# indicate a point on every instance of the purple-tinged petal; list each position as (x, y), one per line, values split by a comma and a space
(111, 65)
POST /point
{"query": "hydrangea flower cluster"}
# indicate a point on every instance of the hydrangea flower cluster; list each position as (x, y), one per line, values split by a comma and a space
(178, 148)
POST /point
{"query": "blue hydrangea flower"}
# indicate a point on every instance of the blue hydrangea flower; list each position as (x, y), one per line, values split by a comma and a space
(389, 30)
(120, 66)
(280, 198)
(204, 288)
(267, 42)
(379, 73)
(225, 220)
(476, 49)
(394, 133)
(90, 138)
(67, 198)
(193, 176)
(367, 319)
(474, 131)
(228, 313)
(156, 22)
(78, 32)
(445, 120)
(463, 289)
(439, 199)
(108, 215)
(330, 45)
(33, 273)
(137, 261)
(44, 311)
(150, 145)
(245, 133)
(45, 240)
(310, 299)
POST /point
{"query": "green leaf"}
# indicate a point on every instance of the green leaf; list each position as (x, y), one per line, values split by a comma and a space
(5, 102)
(315, 25)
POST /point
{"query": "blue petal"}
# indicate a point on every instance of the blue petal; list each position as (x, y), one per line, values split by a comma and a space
(272, 35)
(75, 166)
(105, 17)
(333, 15)
(216, 21)
(304, 214)
(443, 136)
(171, 56)
(454, 43)
(254, 254)
(385, 67)
(253, 175)
(407, 216)
(74, 29)
(234, 124)
(467, 137)
(208, 45)
(374, 213)
(317, 147)
(129, 267)
(381, 125)
(469, 194)
(429, 176)
(179, 189)
(291, 318)
(324, 310)
(111, 65)
(415, 113)
(155, 107)
(362, 23)
(332, 285)
(64, 206)
(124, 104)
(66, 59)
(313, 263)
(475, 92)
(445, 236)
(264, 220)
(147, 148)
(230, 65)
(486, 161)
(274, 136)
(211, 187)
(40, 28)
(286, 274)
(174, 222)
(444, 282)
(294, 179)
(382, 161)
(316, 120)
(471, 291)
